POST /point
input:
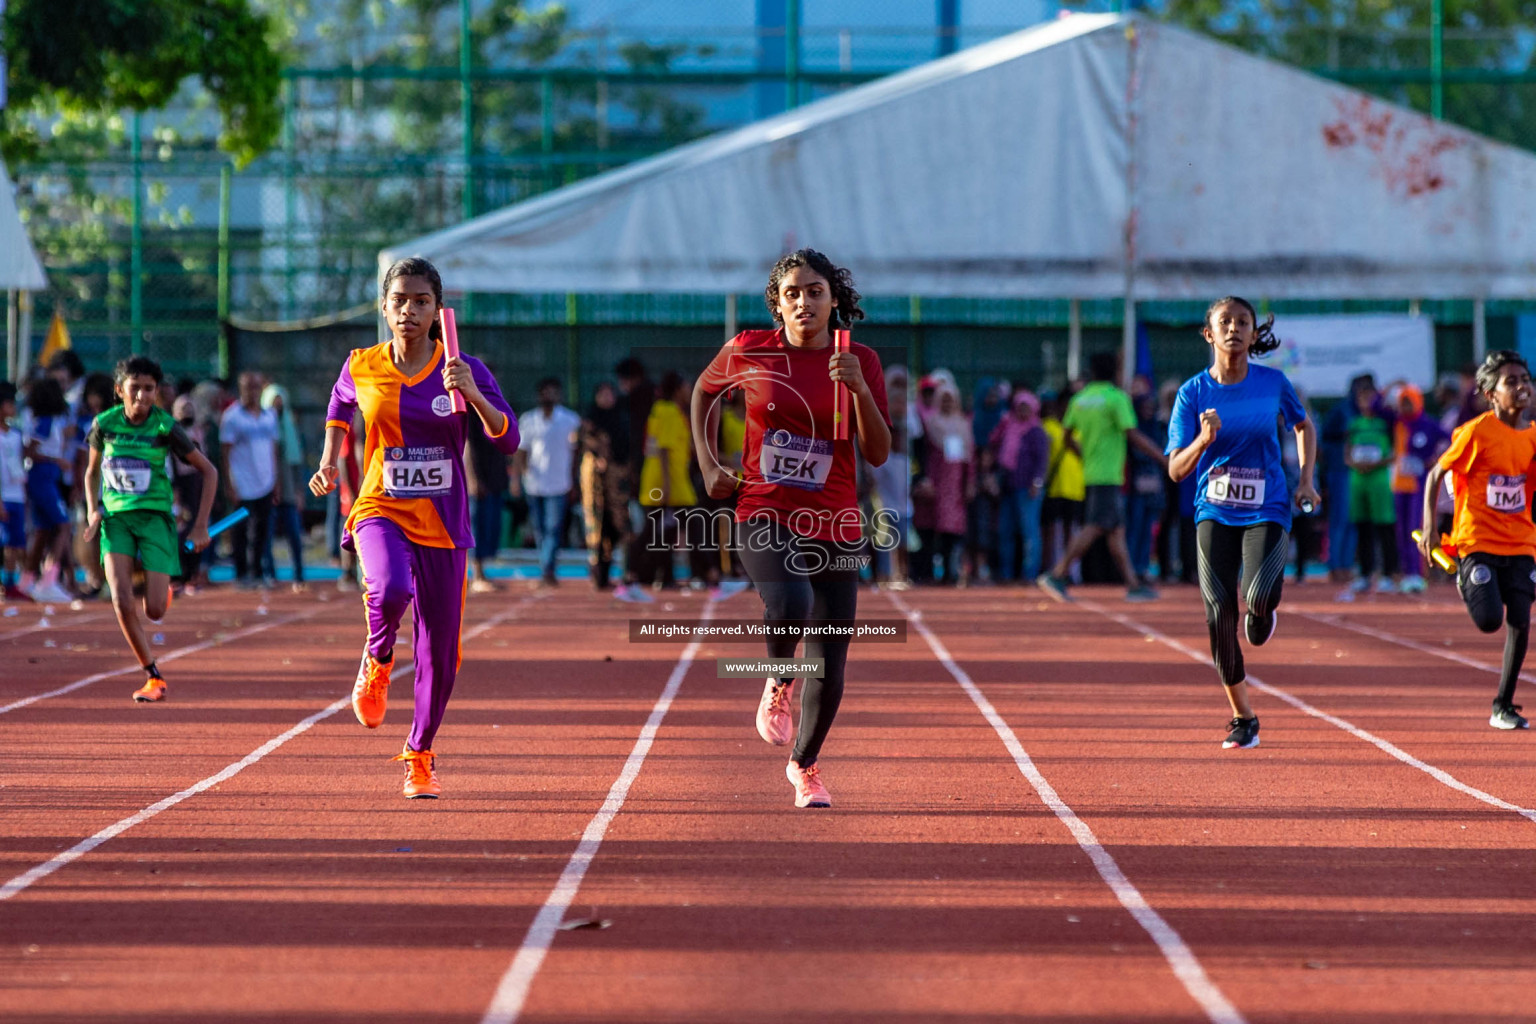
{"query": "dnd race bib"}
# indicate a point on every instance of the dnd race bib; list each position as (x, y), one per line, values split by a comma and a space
(1365, 453)
(795, 461)
(1235, 487)
(1506, 493)
(1410, 466)
(126, 475)
(417, 472)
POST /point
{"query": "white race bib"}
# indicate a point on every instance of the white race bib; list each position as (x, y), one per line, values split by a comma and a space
(954, 448)
(1506, 493)
(417, 472)
(126, 475)
(1365, 453)
(1235, 487)
(795, 461)
(1410, 465)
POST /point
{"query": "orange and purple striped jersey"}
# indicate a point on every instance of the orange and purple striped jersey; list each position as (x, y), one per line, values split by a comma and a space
(413, 456)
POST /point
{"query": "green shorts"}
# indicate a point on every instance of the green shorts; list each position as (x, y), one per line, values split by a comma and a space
(144, 534)
(1370, 498)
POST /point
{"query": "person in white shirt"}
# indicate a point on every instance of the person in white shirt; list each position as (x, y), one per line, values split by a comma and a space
(542, 469)
(13, 495)
(248, 436)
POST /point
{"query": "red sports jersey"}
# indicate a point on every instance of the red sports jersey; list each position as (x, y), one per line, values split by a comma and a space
(792, 466)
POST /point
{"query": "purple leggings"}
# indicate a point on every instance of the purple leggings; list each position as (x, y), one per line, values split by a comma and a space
(1410, 513)
(397, 573)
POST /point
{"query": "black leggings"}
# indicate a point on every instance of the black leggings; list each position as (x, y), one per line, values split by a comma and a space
(1500, 588)
(1256, 552)
(1371, 536)
(802, 580)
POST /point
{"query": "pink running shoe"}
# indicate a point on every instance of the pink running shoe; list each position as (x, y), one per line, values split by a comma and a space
(809, 792)
(774, 722)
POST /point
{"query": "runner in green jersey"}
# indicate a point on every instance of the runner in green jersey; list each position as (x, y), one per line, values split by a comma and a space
(128, 497)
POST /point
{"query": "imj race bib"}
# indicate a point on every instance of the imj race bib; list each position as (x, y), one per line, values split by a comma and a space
(417, 472)
(1365, 453)
(1506, 493)
(1235, 487)
(126, 475)
(795, 461)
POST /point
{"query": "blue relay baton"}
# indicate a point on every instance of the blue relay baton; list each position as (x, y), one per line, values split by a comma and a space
(237, 516)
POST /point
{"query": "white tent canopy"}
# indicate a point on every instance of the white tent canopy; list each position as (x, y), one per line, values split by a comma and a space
(19, 267)
(1093, 156)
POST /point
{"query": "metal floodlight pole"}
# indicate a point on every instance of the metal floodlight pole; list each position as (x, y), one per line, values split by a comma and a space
(290, 198)
(1437, 58)
(467, 117)
(791, 53)
(467, 105)
(226, 184)
(136, 243)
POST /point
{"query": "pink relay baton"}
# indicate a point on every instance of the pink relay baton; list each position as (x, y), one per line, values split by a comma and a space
(451, 346)
(843, 342)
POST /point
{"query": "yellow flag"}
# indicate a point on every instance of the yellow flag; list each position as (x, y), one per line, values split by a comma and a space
(57, 340)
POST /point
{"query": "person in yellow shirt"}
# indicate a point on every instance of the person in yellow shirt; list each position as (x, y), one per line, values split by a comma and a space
(1065, 489)
(665, 485)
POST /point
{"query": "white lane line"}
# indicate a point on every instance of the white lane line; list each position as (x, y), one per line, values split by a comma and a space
(1413, 645)
(85, 846)
(1178, 954)
(79, 620)
(512, 991)
(1440, 775)
(180, 652)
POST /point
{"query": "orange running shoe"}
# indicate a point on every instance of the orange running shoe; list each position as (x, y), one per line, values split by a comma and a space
(420, 778)
(370, 694)
(809, 792)
(152, 690)
(774, 723)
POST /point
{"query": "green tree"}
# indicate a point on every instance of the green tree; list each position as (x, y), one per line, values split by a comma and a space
(1385, 36)
(77, 58)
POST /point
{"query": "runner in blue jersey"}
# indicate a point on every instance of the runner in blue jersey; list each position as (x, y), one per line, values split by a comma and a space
(1226, 428)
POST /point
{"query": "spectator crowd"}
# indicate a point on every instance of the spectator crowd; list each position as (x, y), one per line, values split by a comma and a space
(1003, 486)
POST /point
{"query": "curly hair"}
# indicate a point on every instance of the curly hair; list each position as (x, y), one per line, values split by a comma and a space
(1264, 340)
(839, 278)
(1488, 373)
(415, 266)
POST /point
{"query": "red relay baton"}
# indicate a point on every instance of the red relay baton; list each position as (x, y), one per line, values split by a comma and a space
(843, 342)
(451, 346)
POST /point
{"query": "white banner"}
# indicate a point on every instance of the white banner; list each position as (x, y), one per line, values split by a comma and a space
(1321, 354)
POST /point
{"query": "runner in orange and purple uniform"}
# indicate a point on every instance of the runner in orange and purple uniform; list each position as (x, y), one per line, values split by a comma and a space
(410, 522)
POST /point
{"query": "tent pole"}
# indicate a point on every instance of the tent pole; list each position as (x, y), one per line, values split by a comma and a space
(12, 346)
(1479, 329)
(1132, 128)
(24, 327)
(730, 316)
(1074, 339)
(572, 348)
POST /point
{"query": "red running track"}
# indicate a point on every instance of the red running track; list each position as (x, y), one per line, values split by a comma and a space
(1334, 874)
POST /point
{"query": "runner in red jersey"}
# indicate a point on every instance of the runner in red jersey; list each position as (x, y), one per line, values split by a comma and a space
(801, 531)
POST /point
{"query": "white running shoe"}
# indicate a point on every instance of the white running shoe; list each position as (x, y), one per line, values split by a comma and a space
(51, 591)
(632, 593)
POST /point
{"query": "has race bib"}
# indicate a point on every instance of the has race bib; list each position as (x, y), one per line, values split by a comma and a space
(954, 448)
(1506, 493)
(126, 475)
(417, 472)
(1410, 466)
(795, 461)
(1235, 487)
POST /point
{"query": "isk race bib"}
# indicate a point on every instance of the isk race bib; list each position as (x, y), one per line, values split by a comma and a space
(1235, 487)
(1410, 466)
(417, 472)
(795, 461)
(1506, 493)
(126, 475)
